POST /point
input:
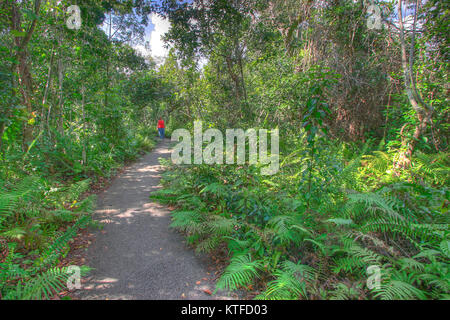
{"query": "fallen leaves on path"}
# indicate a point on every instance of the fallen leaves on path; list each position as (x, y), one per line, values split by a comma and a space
(207, 291)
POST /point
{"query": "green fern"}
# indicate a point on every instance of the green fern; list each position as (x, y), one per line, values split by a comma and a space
(52, 253)
(187, 221)
(418, 231)
(221, 226)
(356, 258)
(75, 190)
(9, 269)
(291, 282)
(216, 189)
(208, 244)
(9, 199)
(43, 285)
(344, 292)
(240, 272)
(377, 205)
(24, 284)
(398, 290)
(288, 229)
(165, 195)
(237, 246)
(434, 166)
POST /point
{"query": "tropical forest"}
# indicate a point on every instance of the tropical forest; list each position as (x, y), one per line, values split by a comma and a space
(224, 149)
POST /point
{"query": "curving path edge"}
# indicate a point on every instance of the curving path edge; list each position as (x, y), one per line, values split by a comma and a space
(136, 255)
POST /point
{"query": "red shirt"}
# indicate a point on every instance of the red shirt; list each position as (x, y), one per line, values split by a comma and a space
(160, 123)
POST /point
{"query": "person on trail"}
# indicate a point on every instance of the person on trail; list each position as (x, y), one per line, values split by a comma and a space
(161, 128)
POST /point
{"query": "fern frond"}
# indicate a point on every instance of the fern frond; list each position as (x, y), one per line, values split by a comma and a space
(420, 231)
(222, 226)
(376, 204)
(236, 245)
(288, 229)
(343, 292)
(411, 264)
(216, 189)
(284, 287)
(240, 272)
(187, 221)
(9, 199)
(435, 166)
(44, 285)
(208, 244)
(398, 290)
(290, 282)
(356, 259)
(52, 253)
(14, 233)
(74, 191)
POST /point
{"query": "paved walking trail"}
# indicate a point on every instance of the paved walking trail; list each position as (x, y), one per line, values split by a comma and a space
(136, 255)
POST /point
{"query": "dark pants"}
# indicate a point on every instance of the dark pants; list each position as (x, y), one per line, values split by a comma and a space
(161, 132)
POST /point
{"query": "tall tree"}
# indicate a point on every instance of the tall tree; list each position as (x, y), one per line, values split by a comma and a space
(422, 109)
(21, 40)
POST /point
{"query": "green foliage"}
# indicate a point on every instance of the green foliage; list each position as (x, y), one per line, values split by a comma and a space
(398, 290)
(32, 215)
(363, 175)
(50, 255)
(396, 226)
(41, 281)
(239, 273)
(288, 229)
(75, 105)
(291, 282)
(31, 284)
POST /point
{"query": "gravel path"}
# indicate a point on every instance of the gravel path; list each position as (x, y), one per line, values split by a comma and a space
(136, 255)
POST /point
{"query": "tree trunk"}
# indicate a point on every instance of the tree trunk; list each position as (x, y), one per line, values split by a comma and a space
(46, 90)
(83, 152)
(60, 120)
(423, 111)
(2, 129)
(23, 68)
(234, 77)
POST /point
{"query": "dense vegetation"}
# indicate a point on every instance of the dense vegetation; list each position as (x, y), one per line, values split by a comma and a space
(363, 182)
(363, 120)
(74, 106)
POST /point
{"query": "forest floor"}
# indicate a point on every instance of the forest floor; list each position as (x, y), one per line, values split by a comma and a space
(135, 255)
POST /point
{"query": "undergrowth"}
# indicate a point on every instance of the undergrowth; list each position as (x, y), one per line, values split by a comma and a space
(292, 239)
(41, 213)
